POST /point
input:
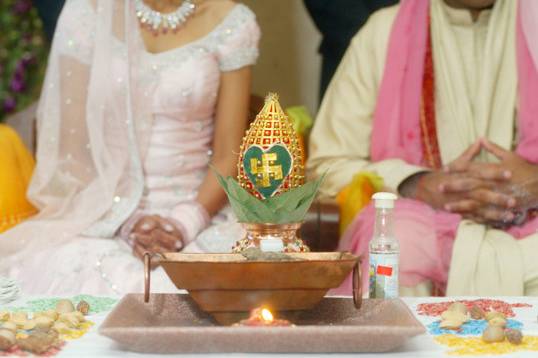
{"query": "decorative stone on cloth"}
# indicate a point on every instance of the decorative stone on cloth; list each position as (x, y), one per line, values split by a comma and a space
(43, 326)
(271, 158)
(97, 304)
(480, 336)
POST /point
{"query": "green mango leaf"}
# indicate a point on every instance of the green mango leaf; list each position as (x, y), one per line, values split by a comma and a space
(252, 205)
(285, 208)
(294, 197)
(296, 211)
(237, 206)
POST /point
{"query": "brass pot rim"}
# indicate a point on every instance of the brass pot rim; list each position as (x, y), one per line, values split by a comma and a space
(270, 226)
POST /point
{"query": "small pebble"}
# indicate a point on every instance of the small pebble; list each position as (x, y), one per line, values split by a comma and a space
(19, 318)
(4, 316)
(28, 325)
(458, 307)
(60, 327)
(10, 326)
(513, 336)
(493, 334)
(497, 321)
(452, 325)
(69, 319)
(38, 342)
(454, 316)
(493, 314)
(83, 307)
(43, 322)
(78, 315)
(64, 306)
(52, 314)
(7, 339)
(477, 312)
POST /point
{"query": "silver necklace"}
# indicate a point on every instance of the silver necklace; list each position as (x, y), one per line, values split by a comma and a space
(158, 22)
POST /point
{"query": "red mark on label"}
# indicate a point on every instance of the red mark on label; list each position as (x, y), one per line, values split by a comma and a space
(384, 270)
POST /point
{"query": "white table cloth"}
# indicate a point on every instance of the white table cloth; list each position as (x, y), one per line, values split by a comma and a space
(94, 345)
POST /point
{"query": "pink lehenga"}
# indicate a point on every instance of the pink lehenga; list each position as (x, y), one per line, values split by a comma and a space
(122, 132)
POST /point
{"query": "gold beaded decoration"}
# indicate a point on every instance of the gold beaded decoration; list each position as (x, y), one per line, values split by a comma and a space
(272, 127)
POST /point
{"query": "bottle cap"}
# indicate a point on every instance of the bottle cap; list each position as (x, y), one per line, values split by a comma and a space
(384, 200)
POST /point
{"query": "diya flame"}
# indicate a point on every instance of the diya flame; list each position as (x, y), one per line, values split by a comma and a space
(266, 315)
(262, 317)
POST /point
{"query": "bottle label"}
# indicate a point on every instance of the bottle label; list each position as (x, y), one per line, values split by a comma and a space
(384, 275)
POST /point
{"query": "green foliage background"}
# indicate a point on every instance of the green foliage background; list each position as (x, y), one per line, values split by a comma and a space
(23, 52)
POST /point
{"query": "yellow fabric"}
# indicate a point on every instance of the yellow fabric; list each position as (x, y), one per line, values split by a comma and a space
(16, 166)
(302, 122)
(356, 195)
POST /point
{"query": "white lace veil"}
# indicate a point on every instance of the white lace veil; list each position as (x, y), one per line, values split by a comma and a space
(92, 133)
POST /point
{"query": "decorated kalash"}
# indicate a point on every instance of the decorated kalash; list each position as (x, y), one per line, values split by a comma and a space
(271, 170)
(270, 199)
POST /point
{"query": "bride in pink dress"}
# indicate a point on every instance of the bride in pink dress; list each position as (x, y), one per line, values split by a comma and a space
(139, 98)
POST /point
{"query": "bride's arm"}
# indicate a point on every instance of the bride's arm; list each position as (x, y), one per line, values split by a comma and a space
(191, 217)
(230, 124)
(236, 53)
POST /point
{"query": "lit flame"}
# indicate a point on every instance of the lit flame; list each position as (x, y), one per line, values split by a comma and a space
(267, 316)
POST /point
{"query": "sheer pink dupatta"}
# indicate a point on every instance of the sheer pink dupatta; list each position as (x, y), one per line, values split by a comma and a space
(92, 134)
(396, 134)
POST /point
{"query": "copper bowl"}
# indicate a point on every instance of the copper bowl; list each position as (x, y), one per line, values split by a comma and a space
(228, 286)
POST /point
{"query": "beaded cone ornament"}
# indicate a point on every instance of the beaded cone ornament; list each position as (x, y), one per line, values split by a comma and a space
(271, 160)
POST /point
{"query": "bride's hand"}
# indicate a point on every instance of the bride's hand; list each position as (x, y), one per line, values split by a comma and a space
(155, 234)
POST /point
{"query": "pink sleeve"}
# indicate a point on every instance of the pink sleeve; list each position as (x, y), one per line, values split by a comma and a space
(128, 226)
(238, 40)
(190, 219)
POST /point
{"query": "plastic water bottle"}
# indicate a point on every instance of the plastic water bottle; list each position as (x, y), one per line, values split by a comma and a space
(384, 250)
